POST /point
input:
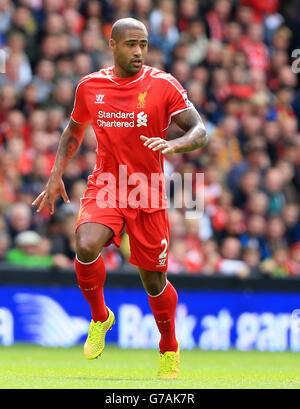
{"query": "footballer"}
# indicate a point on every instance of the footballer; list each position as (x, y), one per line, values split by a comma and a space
(130, 106)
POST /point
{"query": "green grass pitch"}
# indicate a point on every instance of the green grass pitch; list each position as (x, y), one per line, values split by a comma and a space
(34, 367)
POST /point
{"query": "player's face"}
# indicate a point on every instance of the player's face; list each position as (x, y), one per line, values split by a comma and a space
(130, 52)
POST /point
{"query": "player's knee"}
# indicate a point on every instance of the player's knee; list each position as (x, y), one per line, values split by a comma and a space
(153, 289)
(153, 282)
(87, 249)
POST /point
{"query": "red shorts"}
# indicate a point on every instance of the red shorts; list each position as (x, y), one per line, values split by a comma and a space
(149, 233)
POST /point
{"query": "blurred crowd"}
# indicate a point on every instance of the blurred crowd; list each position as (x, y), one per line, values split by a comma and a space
(234, 57)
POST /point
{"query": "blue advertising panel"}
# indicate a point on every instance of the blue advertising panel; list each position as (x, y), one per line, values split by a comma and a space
(210, 320)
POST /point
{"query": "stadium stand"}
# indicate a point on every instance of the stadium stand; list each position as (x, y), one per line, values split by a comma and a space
(234, 59)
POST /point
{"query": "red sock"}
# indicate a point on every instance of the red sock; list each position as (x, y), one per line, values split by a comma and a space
(91, 278)
(163, 307)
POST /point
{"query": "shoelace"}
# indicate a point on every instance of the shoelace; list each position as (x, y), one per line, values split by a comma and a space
(96, 332)
(167, 362)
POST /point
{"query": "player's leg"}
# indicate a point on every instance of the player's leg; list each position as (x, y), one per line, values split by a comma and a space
(90, 271)
(163, 302)
(96, 227)
(90, 268)
(149, 244)
(153, 281)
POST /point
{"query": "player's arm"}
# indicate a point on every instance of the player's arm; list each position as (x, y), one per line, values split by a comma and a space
(69, 144)
(195, 136)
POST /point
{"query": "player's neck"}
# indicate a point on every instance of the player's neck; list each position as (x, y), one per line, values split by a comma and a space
(120, 73)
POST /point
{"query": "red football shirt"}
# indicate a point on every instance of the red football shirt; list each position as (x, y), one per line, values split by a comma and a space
(120, 111)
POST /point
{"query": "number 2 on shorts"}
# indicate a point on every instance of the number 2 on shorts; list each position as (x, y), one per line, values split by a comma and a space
(163, 254)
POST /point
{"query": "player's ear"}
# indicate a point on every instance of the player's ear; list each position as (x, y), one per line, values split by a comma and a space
(112, 43)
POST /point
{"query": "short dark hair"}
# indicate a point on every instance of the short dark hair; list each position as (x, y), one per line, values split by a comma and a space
(123, 24)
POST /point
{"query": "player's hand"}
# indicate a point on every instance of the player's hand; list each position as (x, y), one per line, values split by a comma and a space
(54, 187)
(158, 144)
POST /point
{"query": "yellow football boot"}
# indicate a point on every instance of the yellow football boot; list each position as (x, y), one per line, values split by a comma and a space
(169, 364)
(95, 341)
